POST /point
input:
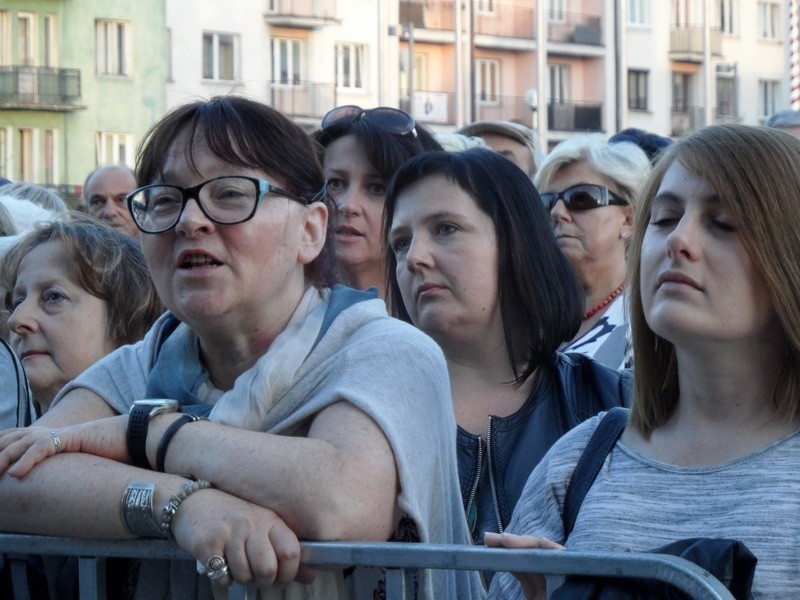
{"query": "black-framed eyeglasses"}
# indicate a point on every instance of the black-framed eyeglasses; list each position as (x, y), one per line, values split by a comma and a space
(584, 196)
(225, 200)
(391, 120)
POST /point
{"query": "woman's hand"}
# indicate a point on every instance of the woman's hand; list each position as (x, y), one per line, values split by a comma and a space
(534, 585)
(22, 449)
(256, 544)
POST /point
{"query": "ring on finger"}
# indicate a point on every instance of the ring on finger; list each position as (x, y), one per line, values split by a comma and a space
(216, 563)
(56, 441)
(218, 574)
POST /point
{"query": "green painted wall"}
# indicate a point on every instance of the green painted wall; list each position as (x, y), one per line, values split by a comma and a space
(118, 104)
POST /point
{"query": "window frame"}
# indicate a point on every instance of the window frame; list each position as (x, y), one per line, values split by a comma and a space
(769, 92)
(216, 73)
(728, 16)
(638, 12)
(113, 57)
(558, 78)
(107, 148)
(294, 50)
(638, 89)
(351, 68)
(487, 75)
(769, 21)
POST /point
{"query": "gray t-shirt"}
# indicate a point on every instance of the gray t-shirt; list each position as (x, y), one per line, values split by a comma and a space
(637, 504)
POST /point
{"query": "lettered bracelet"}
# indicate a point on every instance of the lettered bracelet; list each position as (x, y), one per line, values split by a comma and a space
(137, 510)
(161, 453)
(190, 487)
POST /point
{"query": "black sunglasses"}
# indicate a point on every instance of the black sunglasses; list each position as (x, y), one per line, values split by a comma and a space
(584, 196)
(391, 120)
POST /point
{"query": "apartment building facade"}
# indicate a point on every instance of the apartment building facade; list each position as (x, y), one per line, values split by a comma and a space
(81, 81)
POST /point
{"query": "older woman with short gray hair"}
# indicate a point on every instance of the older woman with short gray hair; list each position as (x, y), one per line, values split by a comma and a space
(589, 188)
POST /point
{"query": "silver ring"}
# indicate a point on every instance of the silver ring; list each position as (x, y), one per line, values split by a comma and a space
(56, 441)
(218, 573)
(216, 563)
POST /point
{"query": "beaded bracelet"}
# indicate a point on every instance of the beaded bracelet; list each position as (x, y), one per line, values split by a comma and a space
(190, 487)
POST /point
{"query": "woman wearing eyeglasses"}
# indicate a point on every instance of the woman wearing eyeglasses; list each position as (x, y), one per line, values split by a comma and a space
(588, 186)
(362, 150)
(474, 264)
(265, 406)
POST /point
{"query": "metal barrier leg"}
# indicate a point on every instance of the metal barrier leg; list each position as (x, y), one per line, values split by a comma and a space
(396, 585)
(19, 578)
(92, 578)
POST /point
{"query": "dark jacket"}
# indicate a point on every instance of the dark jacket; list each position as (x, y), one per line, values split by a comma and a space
(568, 390)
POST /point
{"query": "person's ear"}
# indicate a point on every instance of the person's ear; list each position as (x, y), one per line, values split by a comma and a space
(315, 228)
(626, 231)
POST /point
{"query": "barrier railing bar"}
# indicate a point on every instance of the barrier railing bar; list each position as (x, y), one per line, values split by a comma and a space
(684, 575)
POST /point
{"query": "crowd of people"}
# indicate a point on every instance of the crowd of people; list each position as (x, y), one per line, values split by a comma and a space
(372, 332)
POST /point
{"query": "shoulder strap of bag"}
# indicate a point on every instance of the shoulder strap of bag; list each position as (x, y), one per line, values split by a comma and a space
(591, 461)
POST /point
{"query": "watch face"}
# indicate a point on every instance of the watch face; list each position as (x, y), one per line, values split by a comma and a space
(155, 403)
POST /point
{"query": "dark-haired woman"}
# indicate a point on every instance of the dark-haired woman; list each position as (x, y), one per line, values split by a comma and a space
(313, 431)
(475, 265)
(362, 150)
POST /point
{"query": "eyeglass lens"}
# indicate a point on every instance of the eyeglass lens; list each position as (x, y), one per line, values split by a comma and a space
(584, 197)
(226, 200)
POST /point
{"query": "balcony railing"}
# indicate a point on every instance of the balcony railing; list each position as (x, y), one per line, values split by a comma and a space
(303, 14)
(501, 19)
(395, 557)
(40, 88)
(575, 116)
(302, 99)
(693, 117)
(439, 107)
(686, 43)
(574, 28)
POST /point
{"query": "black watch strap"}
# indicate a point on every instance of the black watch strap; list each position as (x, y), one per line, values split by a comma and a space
(138, 422)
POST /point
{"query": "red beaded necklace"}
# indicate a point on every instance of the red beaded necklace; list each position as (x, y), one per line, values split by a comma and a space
(598, 307)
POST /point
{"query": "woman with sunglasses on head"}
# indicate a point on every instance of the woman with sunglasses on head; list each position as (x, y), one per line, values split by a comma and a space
(474, 264)
(311, 431)
(362, 150)
(710, 447)
(588, 186)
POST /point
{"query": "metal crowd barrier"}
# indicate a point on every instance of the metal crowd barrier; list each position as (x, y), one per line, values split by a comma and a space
(398, 558)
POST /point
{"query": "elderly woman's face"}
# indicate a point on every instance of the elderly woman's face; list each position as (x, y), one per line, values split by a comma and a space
(242, 275)
(592, 238)
(58, 329)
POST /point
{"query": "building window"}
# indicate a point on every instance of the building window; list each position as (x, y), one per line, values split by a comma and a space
(114, 148)
(111, 47)
(49, 155)
(557, 10)
(26, 39)
(727, 16)
(350, 66)
(5, 137)
(486, 6)
(637, 12)
(769, 93)
(637, 90)
(487, 80)
(559, 83)
(287, 61)
(5, 37)
(726, 97)
(681, 92)
(50, 41)
(769, 20)
(220, 56)
(25, 154)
